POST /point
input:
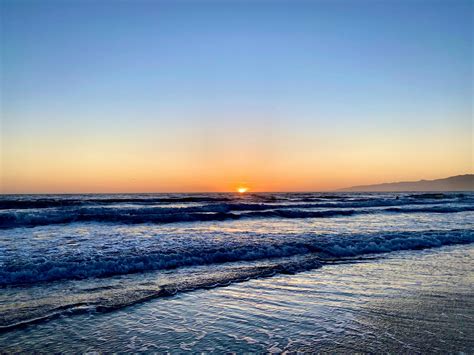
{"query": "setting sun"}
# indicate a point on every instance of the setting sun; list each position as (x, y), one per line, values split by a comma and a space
(242, 190)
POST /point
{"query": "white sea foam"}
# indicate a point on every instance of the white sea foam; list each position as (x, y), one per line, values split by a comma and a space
(162, 255)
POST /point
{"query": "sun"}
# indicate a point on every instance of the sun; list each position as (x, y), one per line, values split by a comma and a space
(242, 189)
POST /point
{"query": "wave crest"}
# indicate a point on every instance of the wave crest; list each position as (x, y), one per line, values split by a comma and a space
(128, 261)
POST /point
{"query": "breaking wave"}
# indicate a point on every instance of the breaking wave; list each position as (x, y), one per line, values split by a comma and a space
(40, 269)
(124, 254)
(26, 203)
(213, 212)
(325, 200)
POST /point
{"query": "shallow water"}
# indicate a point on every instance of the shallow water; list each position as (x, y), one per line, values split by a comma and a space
(71, 256)
(410, 301)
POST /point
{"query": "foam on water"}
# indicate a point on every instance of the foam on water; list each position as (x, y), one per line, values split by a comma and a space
(109, 251)
(405, 302)
(35, 211)
(169, 254)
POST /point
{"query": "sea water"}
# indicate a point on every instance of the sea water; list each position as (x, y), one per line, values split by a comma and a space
(71, 260)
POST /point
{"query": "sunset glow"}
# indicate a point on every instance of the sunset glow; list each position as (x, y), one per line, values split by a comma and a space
(198, 98)
(242, 190)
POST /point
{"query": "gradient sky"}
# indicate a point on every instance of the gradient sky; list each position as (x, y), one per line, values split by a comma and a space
(132, 96)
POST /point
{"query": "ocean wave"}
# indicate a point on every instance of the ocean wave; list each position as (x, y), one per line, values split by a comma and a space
(431, 209)
(35, 203)
(437, 196)
(211, 212)
(19, 202)
(149, 287)
(126, 261)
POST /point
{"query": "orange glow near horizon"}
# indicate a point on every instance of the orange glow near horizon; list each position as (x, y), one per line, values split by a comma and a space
(242, 190)
(190, 161)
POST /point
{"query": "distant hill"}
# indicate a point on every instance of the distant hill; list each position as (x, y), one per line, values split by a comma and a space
(453, 183)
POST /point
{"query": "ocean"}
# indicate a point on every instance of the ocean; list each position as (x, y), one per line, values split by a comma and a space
(238, 272)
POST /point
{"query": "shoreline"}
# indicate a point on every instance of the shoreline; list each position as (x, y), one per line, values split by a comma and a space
(410, 301)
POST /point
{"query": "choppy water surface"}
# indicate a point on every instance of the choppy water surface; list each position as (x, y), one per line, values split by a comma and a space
(75, 255)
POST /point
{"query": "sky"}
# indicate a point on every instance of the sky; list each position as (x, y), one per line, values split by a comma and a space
(189, 96)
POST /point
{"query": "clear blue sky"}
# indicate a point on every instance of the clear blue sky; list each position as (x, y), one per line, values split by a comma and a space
(154, 95)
